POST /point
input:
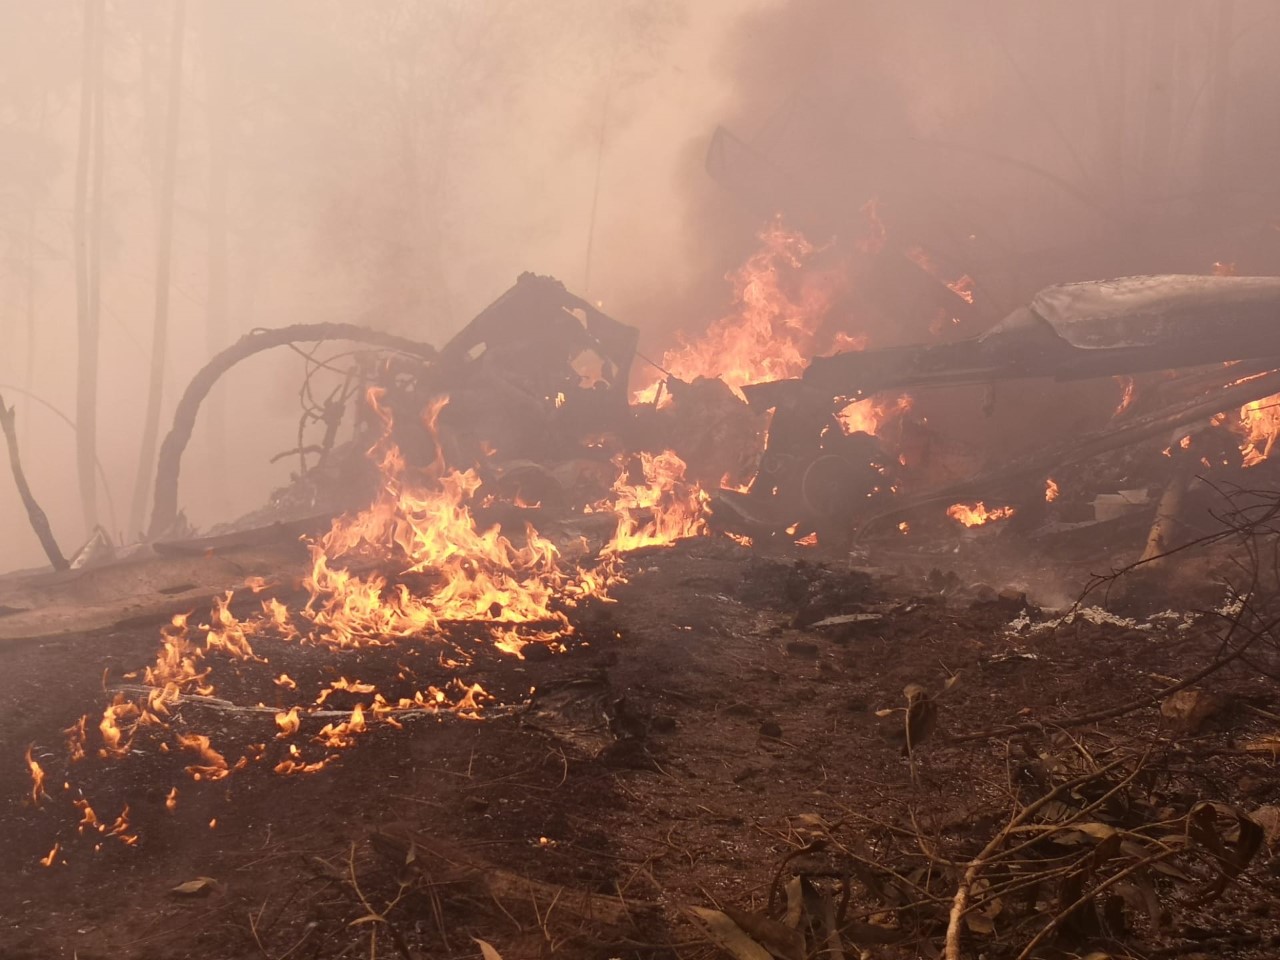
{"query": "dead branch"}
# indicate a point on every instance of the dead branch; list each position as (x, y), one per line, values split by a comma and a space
(165, 509)
(961, 900)
(441, 863)
(39, 521)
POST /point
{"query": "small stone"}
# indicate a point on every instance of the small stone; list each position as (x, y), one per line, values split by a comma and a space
(771, 729)
(477, 804)
(1187, 710)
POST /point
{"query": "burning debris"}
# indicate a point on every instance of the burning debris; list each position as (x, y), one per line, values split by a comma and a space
(486, 508)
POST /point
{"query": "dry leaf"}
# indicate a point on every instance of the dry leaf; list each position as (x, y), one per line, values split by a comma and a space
(726, 934)
(778, 938)
(487, 949)
(196, 888)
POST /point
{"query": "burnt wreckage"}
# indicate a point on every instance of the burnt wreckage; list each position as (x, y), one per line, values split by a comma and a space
(538, 399)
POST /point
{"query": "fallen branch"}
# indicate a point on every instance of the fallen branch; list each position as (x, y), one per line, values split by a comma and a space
(960, 901)
(440, 864)
(39, 521)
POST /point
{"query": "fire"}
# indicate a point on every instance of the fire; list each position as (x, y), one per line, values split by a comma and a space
(976, 514)
(343, 734)
(780, 300)
(666, 508)
(88, 819)
(869, 415)
(442, 567)
(1260, 425)
(1050, 490)
(288, 722)
(961, 286)
(113, 737)
(119, 829)
(1126, 395)
(213, 765)
(424, 525)
(48, 860)
(75, 735)
(37, 778)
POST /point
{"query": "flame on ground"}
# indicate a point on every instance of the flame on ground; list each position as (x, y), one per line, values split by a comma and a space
(976, 514)
(37, 777)
(1050, 490)
(662, 510)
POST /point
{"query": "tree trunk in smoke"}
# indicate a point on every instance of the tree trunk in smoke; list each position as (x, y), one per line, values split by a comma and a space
(164, 261)
(1157, 135)
(1113, 96)
(1214, 148)
(595, 189)
(217, 77)
(87, 227)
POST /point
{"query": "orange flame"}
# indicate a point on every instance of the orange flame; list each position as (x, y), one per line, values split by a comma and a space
(1260, 425)
(1126, 395)
(665, 509)
(288, 722)
(1050, 490)
(37, 778)
(213, 765)
(780, 299)
(976, 514)
(75, 735)
(113, 737)
(870, 414)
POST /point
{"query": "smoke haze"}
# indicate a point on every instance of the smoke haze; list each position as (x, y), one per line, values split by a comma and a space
(399, 163)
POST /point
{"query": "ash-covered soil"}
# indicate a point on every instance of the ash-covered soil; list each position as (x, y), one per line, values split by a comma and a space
(703, 740)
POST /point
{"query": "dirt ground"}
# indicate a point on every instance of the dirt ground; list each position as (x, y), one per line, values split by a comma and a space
(700, 744)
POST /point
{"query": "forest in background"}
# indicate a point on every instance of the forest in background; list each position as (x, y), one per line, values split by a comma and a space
(174, 174)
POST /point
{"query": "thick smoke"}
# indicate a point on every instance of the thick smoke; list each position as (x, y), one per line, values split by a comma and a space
(401, 162)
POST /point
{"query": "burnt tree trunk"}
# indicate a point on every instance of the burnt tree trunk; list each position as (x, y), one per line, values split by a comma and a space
(87, 227)
(164, 265)
(218, 76)
(39, 522)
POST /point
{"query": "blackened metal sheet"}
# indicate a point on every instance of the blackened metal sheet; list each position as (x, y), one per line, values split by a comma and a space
(1164, 310)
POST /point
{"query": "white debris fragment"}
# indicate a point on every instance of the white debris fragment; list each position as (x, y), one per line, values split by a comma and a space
(1022, 623)
(1019, 624)
(1232, 607)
